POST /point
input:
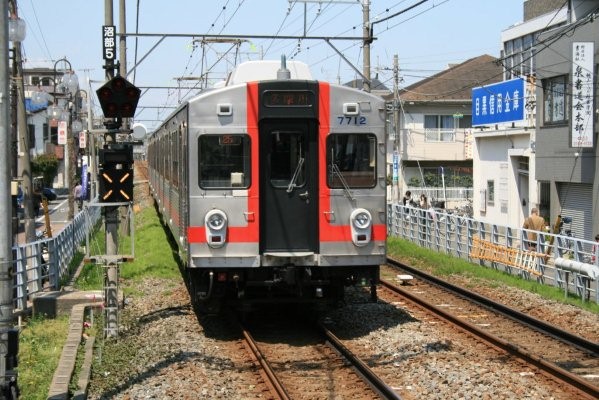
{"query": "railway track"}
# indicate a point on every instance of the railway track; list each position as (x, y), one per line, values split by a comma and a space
(303, 362)
(564, 356)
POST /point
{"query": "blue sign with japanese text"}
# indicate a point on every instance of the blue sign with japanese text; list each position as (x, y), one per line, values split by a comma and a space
(499, 102)
(84, 182)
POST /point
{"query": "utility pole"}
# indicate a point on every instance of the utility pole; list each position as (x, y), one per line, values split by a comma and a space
(396, 146)
(367, 40)
(24, 164)
(9, 338)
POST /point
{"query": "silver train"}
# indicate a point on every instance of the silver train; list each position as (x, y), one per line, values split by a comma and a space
(273, 184)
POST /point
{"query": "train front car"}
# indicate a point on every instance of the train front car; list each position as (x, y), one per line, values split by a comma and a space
(286, 188)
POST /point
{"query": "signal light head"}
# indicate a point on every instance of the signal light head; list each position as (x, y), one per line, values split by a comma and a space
(118, 98)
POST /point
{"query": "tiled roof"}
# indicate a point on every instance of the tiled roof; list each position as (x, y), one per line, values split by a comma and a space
(456, 82)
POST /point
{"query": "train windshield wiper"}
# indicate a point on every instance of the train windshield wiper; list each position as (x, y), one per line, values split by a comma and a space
(337, 172)
(295, 175)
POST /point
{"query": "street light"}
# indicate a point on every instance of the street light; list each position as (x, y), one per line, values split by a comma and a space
(67, 89)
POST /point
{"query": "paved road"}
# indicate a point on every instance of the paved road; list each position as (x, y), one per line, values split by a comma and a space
(58, 210)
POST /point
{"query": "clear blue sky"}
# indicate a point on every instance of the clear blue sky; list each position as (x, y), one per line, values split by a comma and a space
(426, 38)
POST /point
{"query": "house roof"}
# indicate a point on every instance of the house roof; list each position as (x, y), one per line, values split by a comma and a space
(456, 82)
(375, 84)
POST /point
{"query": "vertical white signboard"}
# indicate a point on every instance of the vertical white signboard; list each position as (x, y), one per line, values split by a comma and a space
(582, 94)
(62, 132)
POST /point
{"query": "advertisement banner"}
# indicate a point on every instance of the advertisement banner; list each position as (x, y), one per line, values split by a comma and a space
(499, 102)
(582, 93)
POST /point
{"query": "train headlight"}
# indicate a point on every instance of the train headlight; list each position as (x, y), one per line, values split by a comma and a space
(361, 226)
(216, 228)
(216, 221)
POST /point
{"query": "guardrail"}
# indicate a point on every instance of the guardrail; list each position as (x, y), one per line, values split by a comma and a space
(44, 264)
(503, 248)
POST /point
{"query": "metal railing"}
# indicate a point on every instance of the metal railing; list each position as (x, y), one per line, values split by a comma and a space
(439, 135)
(451, 194)
(565, 262)
(44, 264)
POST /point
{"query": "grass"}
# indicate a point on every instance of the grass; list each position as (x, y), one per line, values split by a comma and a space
(154, 256)
(41, 340)
(444, 265)
(40, 347)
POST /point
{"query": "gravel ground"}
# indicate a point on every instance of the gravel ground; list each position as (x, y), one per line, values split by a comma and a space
(164, 352)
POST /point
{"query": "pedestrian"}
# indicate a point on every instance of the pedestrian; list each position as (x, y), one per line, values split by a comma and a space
(536, 224)
(423, 201)
(77, 194)
(407, 199)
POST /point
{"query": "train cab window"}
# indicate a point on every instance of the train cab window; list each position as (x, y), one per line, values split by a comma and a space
(224, 161)
(287, 153)
(351, 160)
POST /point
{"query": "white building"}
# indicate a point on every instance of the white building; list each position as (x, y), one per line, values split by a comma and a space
(504, 158)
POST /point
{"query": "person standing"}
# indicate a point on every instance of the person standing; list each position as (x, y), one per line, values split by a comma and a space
(77, 194)
(534, 223)
(407, 199)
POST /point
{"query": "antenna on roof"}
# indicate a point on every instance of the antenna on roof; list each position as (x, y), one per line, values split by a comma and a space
(283, 72)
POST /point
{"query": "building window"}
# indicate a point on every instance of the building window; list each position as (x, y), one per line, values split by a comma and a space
(491, 192)
(518, 57)
(35, 80)
(439, 128)
(31, 131)
(46, 133)
(554, 100)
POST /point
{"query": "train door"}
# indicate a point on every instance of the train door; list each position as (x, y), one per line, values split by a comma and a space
(289, 188)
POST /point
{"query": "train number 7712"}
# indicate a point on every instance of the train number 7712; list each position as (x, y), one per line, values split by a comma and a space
(357, 120)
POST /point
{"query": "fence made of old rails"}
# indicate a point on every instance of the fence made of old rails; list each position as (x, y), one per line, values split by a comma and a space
(44, 264)
(568, 263)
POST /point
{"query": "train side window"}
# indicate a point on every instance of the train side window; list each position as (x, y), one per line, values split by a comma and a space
(224, 161)
(351, 158)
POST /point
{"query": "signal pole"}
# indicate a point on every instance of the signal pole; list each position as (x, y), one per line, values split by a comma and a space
(118, 99)
(111, 218)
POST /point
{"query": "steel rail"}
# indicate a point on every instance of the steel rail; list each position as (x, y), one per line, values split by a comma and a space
(539, 325)
(549, 368)
(370, 377)
(272, 377)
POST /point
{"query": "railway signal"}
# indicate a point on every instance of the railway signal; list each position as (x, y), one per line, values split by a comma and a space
(116, 175)
(118, 98)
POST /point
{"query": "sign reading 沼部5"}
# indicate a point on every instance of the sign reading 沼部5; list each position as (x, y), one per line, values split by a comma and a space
(499, 102)
(109, 41)
(582, 93)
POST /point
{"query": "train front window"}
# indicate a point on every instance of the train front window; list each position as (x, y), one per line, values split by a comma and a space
(351, 160)
(287, 167)
(224, 161)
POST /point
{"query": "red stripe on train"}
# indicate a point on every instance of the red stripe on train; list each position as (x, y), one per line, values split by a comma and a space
(238, 234)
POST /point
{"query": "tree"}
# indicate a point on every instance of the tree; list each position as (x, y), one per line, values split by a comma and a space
(414, 182)
(45, 165)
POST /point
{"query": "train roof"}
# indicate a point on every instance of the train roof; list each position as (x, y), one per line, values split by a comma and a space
(267, 70)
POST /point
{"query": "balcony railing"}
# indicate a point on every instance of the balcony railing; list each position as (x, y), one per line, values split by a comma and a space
(439, 135)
